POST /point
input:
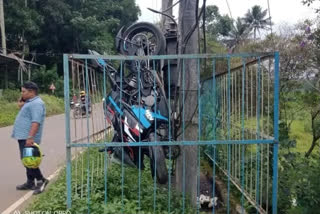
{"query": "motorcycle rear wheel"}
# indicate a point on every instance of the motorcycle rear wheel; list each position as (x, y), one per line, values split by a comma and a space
(144, 29)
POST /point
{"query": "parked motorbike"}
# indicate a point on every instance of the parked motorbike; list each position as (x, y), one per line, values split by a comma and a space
(79, 109)
(72, 104)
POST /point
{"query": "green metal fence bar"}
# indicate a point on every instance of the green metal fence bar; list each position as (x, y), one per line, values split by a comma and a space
(213, 147)
(199, 135)
(247, 118)
(155, 162)
(242, 134)
(105, 178)
(122, 148)
(251, 152)
(139, 117)
(159, 57)
(169, 170)
(239, 118)
(232, 122)
(88, 135)
(229, 135)
(67, 116)
(262, 131)
(105, 125)
(268, 128)
(276, 134)
(183, 136)
(173, 143)
(258, 134)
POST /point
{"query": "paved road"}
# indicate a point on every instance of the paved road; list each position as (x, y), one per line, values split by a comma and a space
(53, 146)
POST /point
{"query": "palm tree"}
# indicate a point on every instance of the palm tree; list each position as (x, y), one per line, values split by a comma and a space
(256, 20)
(239, 32)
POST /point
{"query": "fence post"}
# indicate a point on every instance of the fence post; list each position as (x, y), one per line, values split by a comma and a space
(67, 124)
(276, 134)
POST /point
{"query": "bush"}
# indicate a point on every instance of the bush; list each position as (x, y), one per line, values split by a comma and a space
(54, 199)
(299, 181)
(44, 78)
(9, 110)
(54, 105)
(10, 95)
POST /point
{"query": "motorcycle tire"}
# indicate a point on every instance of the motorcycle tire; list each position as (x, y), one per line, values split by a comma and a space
(158, 162)
(138, 28)
(76, 113)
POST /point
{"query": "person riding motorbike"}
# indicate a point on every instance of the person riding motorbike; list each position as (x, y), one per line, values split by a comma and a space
(84, 100)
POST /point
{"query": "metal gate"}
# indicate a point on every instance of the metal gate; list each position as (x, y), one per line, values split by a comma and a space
(237, 135)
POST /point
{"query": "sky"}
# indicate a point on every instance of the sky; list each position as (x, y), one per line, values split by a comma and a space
(282, 11)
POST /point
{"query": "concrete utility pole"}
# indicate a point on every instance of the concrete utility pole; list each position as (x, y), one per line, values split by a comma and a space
(3, 32)
(164, 20)
(169, 28)
(187, 19)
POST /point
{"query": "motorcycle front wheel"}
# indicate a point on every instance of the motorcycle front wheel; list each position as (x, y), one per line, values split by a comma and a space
(76, 113)
(145, 38)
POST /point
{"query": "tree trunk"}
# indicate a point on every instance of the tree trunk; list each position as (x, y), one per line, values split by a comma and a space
(314, 143)
(187, 19)
(316, 137)
(3, 31)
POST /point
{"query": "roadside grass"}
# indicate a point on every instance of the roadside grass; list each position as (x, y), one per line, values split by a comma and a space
(9, 108)
(91, 185)
(301, 132)
(8, 112)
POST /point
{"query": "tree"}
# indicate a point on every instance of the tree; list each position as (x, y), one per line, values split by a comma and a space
(237, 35)
(56, 32)
(52, 27)
(309, 3)
(311, 100)
(45, 77)
(311, 96)
(23, 24)
(218, 25)
(256, 21)
(300, 73)
(95, 23)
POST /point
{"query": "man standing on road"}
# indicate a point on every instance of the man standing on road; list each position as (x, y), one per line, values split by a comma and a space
(27, 130)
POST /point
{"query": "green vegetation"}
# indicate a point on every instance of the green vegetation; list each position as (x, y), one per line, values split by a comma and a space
(45, 77)
(54, 105)
(48, 28)
(298, 189)
(8, 112)
(41, 31)
(54, 198)
(301, 132)
(9, 108)
(45, 29)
